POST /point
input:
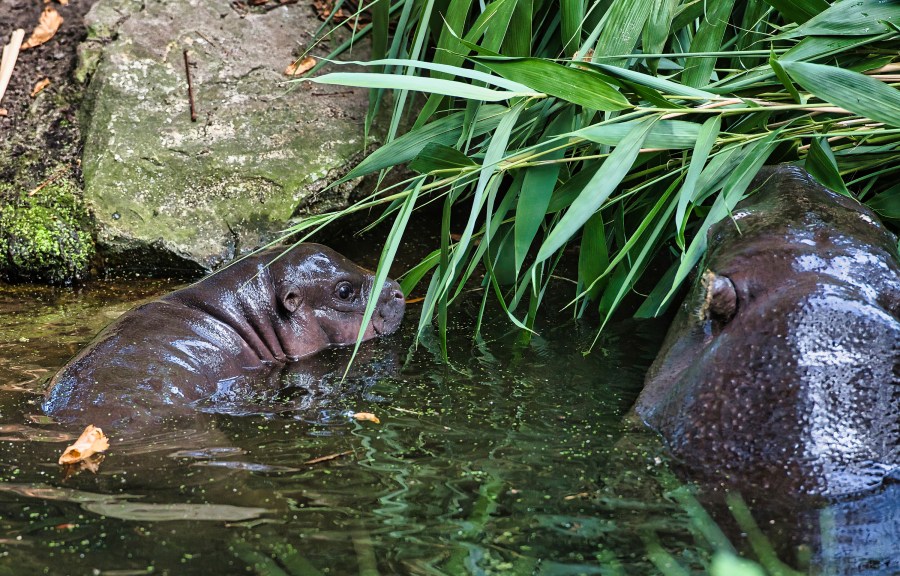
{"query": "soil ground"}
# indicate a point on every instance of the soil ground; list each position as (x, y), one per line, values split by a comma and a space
(44, 128)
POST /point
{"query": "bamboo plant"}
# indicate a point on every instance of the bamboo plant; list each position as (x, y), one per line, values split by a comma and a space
(622, 128)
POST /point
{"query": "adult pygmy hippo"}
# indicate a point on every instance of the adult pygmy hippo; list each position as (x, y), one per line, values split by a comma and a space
(781, 370)
(262, 311)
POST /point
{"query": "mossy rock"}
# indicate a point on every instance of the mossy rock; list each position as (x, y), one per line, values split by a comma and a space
(43, 236)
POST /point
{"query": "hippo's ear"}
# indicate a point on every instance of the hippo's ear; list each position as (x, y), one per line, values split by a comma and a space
(291, 298)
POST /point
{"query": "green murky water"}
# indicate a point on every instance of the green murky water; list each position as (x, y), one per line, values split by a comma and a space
(510, 460)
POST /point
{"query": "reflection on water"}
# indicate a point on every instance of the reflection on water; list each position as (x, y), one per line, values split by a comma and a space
(508, 461)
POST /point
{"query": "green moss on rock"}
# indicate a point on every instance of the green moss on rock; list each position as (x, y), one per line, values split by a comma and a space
(43, 237)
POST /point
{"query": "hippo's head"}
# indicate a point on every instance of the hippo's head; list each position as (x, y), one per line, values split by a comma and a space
(781, 369)
(321, 298)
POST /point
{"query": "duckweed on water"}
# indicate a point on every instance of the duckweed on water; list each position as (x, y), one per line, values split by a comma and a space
(43, 236)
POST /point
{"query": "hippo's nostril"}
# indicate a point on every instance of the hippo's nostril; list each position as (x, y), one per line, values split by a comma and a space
(398, 295)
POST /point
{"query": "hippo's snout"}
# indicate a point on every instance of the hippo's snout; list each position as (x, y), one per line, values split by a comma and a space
(391, 306)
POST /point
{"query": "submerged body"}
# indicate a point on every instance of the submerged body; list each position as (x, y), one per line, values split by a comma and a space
(238, 325)
(781, 369)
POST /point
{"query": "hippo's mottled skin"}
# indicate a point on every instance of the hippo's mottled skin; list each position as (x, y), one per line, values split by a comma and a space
(241, 323)
(782, 369)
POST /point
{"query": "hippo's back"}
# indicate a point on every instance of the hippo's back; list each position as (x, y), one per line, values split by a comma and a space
(157, 354)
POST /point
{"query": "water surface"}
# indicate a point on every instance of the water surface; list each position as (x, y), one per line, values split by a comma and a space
(510, 460)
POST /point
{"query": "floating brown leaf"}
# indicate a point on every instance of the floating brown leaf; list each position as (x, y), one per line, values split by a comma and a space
(91, 464)
(47, 26)
(41, 84)
(300, 66)
(367, 416)
(91, 441)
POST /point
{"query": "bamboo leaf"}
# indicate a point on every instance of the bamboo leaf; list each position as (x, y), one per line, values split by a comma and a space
(571, 17)
(820, 163)
(656, 31)
(575, 85)
(622, 29)
(698, 69)
(613, 296)
(732, 192)
(518, 35)
(607, 178)
(851, 90)
(393, 241)
(666, 134)
(446, 71)
(495, 32)
(593, 258)
(415, 274)
(706, 139)
(784, 79)
(436, 156)
(563, 196)
(537, 189)
(887, 203)
(443, 131)
(751, 34)
(849, 18)
(449, 50)
(798, 10)
(487, 183)
(655, 82)
(418, 84)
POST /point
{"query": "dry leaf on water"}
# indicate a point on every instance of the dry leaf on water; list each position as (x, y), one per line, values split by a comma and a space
(367, 416)
(48, 25)
(91, 441)
(300, 66)
(41, 84)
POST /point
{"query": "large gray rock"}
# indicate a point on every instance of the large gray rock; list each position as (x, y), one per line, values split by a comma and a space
(168, 192)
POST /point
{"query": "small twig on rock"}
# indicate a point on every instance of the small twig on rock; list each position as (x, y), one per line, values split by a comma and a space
(10, 54)
(279, 4)
(341, 93)
(187, 72)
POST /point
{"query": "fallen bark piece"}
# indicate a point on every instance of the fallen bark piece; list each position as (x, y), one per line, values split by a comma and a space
(47, 26)
(300, 66)
(91, 441)
(39, 86)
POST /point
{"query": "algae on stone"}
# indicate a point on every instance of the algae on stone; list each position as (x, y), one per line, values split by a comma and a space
(43, 237)
(193, 195)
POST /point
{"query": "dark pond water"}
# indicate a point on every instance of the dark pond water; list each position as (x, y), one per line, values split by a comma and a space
(511, 460)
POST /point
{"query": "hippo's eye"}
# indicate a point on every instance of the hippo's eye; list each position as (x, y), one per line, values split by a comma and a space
(344, 291)
(720, 297)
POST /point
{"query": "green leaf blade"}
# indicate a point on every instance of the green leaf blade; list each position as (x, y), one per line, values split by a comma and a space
(856, 92)
(574, 85)
(598, 189)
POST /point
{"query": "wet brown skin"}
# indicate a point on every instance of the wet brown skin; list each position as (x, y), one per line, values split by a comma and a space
(239, 324)
(781, 371)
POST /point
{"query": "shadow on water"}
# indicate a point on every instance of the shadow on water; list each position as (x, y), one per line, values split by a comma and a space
(510, 460)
